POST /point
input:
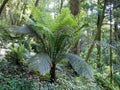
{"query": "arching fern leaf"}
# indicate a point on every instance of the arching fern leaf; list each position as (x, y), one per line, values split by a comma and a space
(80, 66)
(40, 62)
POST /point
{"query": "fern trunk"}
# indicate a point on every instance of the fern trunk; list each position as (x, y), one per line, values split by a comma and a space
(52, 73)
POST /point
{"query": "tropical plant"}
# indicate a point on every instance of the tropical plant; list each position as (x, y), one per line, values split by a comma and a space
(17, 53)
(56, 40)
(56, 45)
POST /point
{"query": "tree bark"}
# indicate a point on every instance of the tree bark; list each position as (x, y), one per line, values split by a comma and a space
(98, 34)
(74, 7)
(99, 26)
(37, 3)
(111, 71)
(3, 5)
(61, 5)
(52, 73)
(116, 31)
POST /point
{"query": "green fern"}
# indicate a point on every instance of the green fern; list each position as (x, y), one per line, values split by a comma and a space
(40, 62)
(64, 19)
(80, 66)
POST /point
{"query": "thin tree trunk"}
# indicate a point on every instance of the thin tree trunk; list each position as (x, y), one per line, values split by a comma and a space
(111, 72)
(98, 34)
(37, 3)
(116, 31)
(23, 13)
(61, 5)
(99, 25)
(3, 5)
(52, 72)
(74, 7)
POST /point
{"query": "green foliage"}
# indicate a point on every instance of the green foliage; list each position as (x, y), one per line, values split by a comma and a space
(16, 83)
(42, 17)
(40, 62)
(56, 45)
(17, 53)
(64, 19)
(104, 82)
(80, 66)
(55, 42)
(64, 83)
(53, 37)
(117, 79)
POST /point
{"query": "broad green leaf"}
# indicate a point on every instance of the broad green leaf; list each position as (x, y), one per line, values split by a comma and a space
(80, 66)
(40, 62)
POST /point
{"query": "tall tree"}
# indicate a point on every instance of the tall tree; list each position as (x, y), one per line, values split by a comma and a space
(111, 71)
(37, 3)
(99, 26)
(61, 5)
(74, 7)
(98, 33)
(3, 5)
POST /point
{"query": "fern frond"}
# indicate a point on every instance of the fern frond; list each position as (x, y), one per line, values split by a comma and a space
(103, 44)
(21, 30)
(80, 66)
(40, 62)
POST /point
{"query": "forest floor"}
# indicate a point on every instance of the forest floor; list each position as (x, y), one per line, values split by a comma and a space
(13, 77)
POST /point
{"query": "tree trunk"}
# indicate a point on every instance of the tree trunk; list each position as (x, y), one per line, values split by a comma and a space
(52, 73)
(99, 26)
(116, 31)
(61, 5)
(98, 34)
(3, 5)
(111, 61)
(37, 3)
(74, 7)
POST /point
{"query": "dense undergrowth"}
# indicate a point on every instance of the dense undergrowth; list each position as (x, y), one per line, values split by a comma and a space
(13, 77)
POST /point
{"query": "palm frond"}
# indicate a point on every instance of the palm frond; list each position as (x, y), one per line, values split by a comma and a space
(40, 62)
(80, 66)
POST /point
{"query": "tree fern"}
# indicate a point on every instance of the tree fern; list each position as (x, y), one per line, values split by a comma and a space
(80, 66)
